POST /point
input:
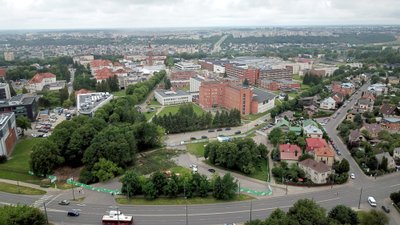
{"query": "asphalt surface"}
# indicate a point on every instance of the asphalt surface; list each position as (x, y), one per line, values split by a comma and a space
(352, 194)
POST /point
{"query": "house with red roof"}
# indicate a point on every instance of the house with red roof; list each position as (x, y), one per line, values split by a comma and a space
(289, 153)
(99, 64)
(103, 74)
(82, 91)
(40, 80)
(314, 143)
(3, 72)
(325, 155)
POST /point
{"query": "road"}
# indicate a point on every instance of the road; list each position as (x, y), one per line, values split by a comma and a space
(70, 85)
(217, 46)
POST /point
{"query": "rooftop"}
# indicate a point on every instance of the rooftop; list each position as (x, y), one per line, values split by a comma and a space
(260, 95)
(319, 167)
(87, 103)
(38, 78)
(167, 93)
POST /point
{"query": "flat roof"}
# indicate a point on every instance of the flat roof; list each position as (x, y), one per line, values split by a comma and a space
(167, 93)
(261, 95)
(89, 101)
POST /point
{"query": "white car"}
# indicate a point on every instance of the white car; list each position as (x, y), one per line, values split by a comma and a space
(352, 176)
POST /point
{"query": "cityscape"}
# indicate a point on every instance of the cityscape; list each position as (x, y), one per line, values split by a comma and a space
(200, 112)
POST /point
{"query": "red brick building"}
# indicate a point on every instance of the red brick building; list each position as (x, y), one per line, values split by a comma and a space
(276, 85)
(242, 72)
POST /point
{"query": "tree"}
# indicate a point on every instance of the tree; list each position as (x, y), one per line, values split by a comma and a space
(24, 123)
(307, 212)
(159, 180)
(130, 184)
(80, 140)
(374, 217)
(279, 217)
(276, 136)
(395, 197)
(21, 215)
(343, 166)
(24, 90)
(45, 157)
(105, 170)
(224, 188)
(149, 190)
(167, 83)
(344, 215)
(64, 95)
(171, 188)
(384, 164)
(358, 120)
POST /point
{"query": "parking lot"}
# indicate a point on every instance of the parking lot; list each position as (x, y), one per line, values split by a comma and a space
(46, 123)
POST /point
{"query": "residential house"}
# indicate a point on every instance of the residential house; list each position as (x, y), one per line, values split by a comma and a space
(310, 110)
(314, 143)
(289, 153)
(287, 115)
(373, 129)
(391, 123)
(285, 126)
(308, 122)
(325, 155)
(350, 115)
(365, 105)
(368, 95)
(391, 162)
(308, 101)
(396, 153)
(39, 81)
(328, 104)
(317, 172)
(393, 80)
(388, 110)
(312, 131)
(355, 137)
(338, 97)
(378, 89)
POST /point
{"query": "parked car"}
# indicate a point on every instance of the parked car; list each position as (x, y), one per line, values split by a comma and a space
(192, 138)
(43, 130)
(73, 212)
(211, 170)
(352, 176)
(238, 132)
(219, 129)
(386, 209)
(204, 137)
(63, 202)
(210, 131)
(228, 128)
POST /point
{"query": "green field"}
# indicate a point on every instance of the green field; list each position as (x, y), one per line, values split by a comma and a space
(18, 166)
(174, 109)
(148, 115)
(15, 189)
(177, 201)
(120, 93)
(255, 116)
(154, 102)
(196, 149)
(157, 160)
(297, 77)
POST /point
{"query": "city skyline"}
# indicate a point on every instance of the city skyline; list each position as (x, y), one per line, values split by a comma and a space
(45, 14)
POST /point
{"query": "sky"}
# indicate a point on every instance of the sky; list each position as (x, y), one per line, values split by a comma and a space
(92, 14)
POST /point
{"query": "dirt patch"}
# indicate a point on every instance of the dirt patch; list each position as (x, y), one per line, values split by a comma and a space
(65, 172)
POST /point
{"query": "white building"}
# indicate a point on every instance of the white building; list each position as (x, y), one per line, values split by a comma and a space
(165, 97)
(312, 131)
(187, 66)
(318, 172)
(378, 89)
(195, 83)
(9, 56)
(262, 101)
(9, 136)
(83, 59)
(87, 104)
(328, 103)
(40, 80)
(5, 91)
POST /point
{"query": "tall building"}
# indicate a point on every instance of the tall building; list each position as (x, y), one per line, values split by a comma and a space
(242, 72)
(5, 91)
(9, 136)
(275, 74)
(187, 66)
(21, 105)
(9, 56)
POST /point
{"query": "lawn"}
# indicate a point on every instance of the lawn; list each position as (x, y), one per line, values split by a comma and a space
(120, 93)
(304, 87)
(153, 102)
(297, 77)
(18, 166)
(157, 160)
(255, 116)
(15, 189)
(174, 109)
(178, 201)
(148, 115)
(196, 149)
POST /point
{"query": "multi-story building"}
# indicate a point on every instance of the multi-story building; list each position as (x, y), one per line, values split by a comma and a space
(9, 136)
(280, 84)
(21, 105)
(40, 80)
(232, 96)
(5, 91)
(216, 66)
(187, 66)
(242, 72)
(83, 59)
(276, 74)
(9, 56)
(87, 104)
(195, 83)
(318, 172)
(165, 97)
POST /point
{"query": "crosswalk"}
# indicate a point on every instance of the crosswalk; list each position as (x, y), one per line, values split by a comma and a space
(39, 203)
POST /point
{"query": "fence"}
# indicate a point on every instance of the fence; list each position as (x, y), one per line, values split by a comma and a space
(89, 187)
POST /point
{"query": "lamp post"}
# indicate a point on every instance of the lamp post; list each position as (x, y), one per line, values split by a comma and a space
(45, 211)
(251, 209)
(359, 200)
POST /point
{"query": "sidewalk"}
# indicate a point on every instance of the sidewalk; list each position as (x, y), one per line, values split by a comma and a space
(23, 184)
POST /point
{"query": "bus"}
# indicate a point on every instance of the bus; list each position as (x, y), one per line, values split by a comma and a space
(117, 220)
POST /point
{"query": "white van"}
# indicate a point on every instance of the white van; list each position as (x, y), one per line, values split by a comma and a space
(371, 201)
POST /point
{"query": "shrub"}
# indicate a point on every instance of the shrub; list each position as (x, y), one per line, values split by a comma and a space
(3, 159)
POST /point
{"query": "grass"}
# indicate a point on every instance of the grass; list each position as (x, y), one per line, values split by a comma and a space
(157, 160)
(154, 102)
(186, 172)
(148, 115)
(174, 109)
(196, 149)
(15, 189)
(178, 201)
(297, 77)
(120, 93)
(255, 116)
(304, 87)
(18, 166)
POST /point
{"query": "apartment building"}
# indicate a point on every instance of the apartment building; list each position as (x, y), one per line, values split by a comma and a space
(8, 130)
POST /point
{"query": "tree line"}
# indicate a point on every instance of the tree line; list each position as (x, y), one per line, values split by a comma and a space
(21, 215)
(186, 120)
(311, 79)
(140, 90)
(308, 212)
(195, 185)
(240, 154)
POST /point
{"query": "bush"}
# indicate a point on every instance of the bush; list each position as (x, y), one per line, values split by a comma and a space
(87, 177)
(3, 159)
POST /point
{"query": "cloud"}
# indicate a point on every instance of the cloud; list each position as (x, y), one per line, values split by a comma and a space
(59, 14)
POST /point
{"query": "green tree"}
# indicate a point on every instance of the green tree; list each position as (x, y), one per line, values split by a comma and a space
(279, 217)
(24, 123)
(307, 212)
(171, 188)
(374, 217)
(159, 180)
(149, 190)
(131, 184)
(21, 215)
(224, 188)
(24, 90)
(384, 164)
(45, 157)
(64, 95)
(167, 83)
(343, 166)
(105, 170)
(80, 140)
(276, 136)
(344, 215)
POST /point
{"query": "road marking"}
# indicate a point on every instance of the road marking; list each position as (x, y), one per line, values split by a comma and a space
(40, 201)
(54, 198)
(394, 185)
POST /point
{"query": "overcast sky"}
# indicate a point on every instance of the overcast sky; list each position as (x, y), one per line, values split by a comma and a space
(60, 14)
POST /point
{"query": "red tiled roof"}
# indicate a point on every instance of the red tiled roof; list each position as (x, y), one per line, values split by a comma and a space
(388, 109)
(3, 72)
(289, 152)
(82, 91)
(313, 143)
(103, 74)
(324, 152)
(100, 62)
(40, 76)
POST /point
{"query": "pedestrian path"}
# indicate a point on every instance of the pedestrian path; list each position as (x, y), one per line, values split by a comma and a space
(39, 203)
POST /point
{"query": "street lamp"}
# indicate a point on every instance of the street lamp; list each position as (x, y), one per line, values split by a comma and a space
(45, 211)
(251, 209)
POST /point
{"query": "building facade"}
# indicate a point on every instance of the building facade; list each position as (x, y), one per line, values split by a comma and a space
(5, 91)
(317, 172)
(9, 135)
(40, 80)
(165, 97)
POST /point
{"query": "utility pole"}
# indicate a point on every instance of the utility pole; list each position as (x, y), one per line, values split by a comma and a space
(251, 209)
(45, 211)
(359, 200)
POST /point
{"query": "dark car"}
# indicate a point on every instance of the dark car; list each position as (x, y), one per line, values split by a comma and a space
(73, 212)
(210, 130)
(203, 137)
(238, 132)
(219, 129)
(192, 138)
(63, 202)
(43, 130)
(228, 128)
(211, 170)
(386, 209)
